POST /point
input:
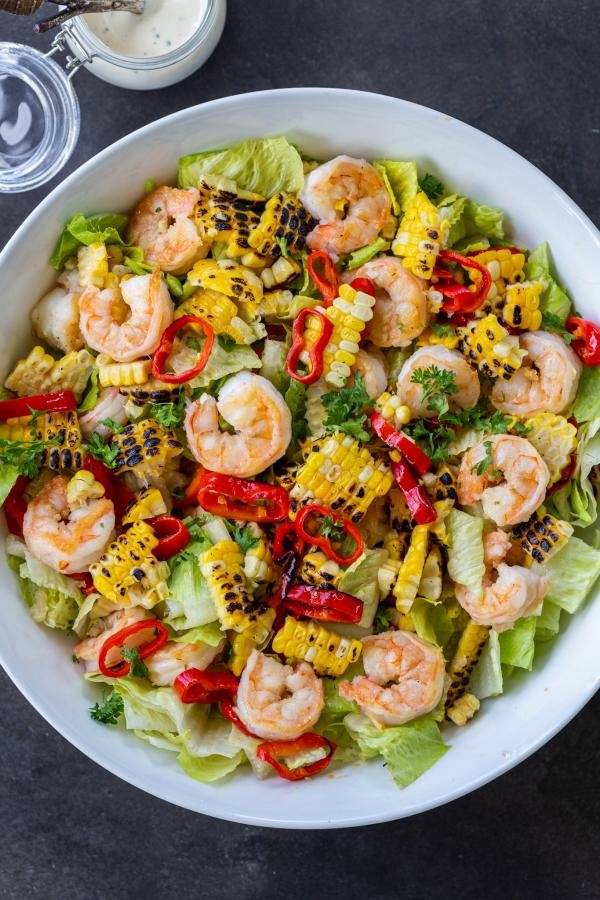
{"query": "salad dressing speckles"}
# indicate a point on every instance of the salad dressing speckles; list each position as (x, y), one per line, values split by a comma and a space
(163, 26)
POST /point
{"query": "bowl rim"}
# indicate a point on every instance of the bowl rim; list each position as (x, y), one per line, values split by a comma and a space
(63, 727)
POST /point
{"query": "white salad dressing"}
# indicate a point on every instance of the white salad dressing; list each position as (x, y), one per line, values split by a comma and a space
(162, 27)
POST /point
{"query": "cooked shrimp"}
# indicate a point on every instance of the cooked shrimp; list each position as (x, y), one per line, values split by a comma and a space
(277, 702)
(351, 202)
(163, 226)
(88, 650)
(400, 311)
(56, 320)
(508, 592)
(465, 377)
(547, 380)
(110, 405)
(372, 366)
(150, 312)
(514, 481)
(404, 678)
(261, 419)
(67, 540)
(173, 657)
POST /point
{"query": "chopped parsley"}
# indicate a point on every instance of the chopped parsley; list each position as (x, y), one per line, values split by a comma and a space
(437, 384)
(442, 329)
(486, 462)
(114, 426)
(282, 244)
(25, 456)
(431, 186)
(103, 451)
(109, 710)
(383, 619)
(244, 537)
(137, 667)
(346, 409)
(330, 529)
(552, 322)
(170, 415)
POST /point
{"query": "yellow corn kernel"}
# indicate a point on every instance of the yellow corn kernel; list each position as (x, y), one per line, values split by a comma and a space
(522, 307)
(227, 215)
(39, 373)
(19, 428)
(504, 267)
(391, 408)
(429, 338)
(112, 374)
(282, 271)
(470, 647)
(148, 503)
(92, 262)
(463, 709)
(255, 637)
(421, 235)
(430, 585)
(145, 448)
(329, 653)
(387, 575)
(221, 313)
(487, 344)
(222, 566)
(542, 536)
(315, 411)
(284, 220)
(318, 569)
(258, 561)
(444, 483)
(239, 283)
(60, 430)
(411, 569)
(349, 314)
(400, 517)
(83, 487)
(128, 573)
(555, 439)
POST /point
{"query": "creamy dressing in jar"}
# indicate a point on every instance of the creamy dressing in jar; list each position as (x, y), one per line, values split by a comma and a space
(163, 26)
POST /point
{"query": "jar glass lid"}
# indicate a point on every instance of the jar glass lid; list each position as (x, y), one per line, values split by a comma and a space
(39, 118)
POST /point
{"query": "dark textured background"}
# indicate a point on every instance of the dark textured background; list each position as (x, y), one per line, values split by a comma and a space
(528, 74)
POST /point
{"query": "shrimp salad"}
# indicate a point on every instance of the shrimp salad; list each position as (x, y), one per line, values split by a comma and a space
(301, 456)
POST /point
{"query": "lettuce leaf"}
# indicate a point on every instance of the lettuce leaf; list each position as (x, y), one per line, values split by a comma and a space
(331, 722)
(465, 550)
(409, 750)
(517, 646)
(431, 621)
(8, 476)
(189, 604)
(587, 401)
(401, 179)
(92, 393)
(360, 580)
(105, 228)
(273, 364)
(470, 219)
(226, 362)
(209, 768)
(573, 571)
(264, 166)
(576, 501)
(53, 599)
(539, 267)
(486, 678)
(210, 634)
(547, 625)
(359, 257)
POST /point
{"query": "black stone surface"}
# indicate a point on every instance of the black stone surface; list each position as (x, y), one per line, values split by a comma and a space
(528, 73)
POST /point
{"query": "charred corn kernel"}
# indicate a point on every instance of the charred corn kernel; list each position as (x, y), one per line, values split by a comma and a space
(226, 277)
(60, 430)
(400, 517)
(329, 653)
(469, 649)
(112, 374)
(487, 344)
(284, 220)
(39, 373)
(145, 448)
(17, 429)
(504, 267)
(555, 439)
(315, 411)
(542, 536)
(430, 338)
(222, 566)
(463, 709)
(444, 486)
(522, 307)
(220, 312)
(128, 572)
(92, 262)
(83, 487)
(411, 569)
(391, 407)
(395, 544)
(387, 575)
(282, 304)
(149, 502)
(227, 215)
(338, 472)
(258, 561)
(282, 271)
(151, 391)
(430, 585)
(421, 235)
(318, 569)
(438, 528)
(255, 637)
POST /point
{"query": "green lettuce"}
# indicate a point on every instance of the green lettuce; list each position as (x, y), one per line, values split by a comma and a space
(547, 625)
(331, 722)
(431, 621)
(92, 393)
(587, 401)
(209, 768)
(401, 179)
(263, 166)
(8, 476)
(360, 257)
(189, 604)
(576, 501)
(105, 228)
(573, 571)
(210, 634)
(360, 580)
(470, 219)
(539, 267)
(53, 599)
(486, 678)
(273, 363)
(465, 550)
(408, 750)
(517, 646)
(226, 362)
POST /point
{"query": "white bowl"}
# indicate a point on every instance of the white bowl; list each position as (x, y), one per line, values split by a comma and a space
(324, 122)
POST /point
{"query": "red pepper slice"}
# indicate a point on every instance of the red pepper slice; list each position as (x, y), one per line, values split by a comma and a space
(417, 499)
(323, 603)
(324, 543)
(190, 498)
(587, 340)
(198, 686)
(329, 282)
(398, 441)
(60, 401)
(273, 751)
(458, 298)
(117, 640)
(165, 347)
(363, 284)
(315, 353)
(280, 547)
(15, 506)
(228, 710)
(237, 498)
(287, 555)
(114, 488)
(173, 534)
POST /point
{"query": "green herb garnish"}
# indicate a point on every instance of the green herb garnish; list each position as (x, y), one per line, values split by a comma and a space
(436, 384)
(114, 426)
(109, 710)
(137, 667)
(345, 409)
(552, 322)
(169, 415)
(103, 451)
(486, 462)
(431, 186)
(244, 537)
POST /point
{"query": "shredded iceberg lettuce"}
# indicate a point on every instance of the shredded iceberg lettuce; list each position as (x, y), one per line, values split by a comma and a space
(105, 228)
(53, 599)
(189, 604)
(465, 550)
(8, 476)
(470, 219)
(226, 362)
(401, 179)
(539, 267)
(486, 678)
(573, 571)
(360, 580)
(576, 501)
(587, 402)
(210, 634)
(359, 257)
(517, 646)
(431, 621)
(547, 625)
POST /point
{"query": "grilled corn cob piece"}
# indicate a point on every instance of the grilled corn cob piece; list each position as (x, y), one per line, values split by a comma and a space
(83, 487)
(255, 637)
(463, 709)
(39, 373)
(222, 566)
(430, 585)
(284, 219)
(112, 374)
(220, 312)
(145, 447)
(227, 215)
(504, 267)
(391, 408)
(315, 411)
(329, 653)
(226, 277)
(128, 572)
(349, 314)
(395, 544)
(340, 474)
(92, 263)
(542, 536)
(429, 338)
(152, 391)
(258, 561)
(555, 439)
(387, 575)
(279, 304)
(444, 486)
(400, 517)
(421, 235)
(282, 271)
(487, 344)
(19, 428)
(61, 431)
(469, 649)
(411, 569)
(149, 502)
(522, 307)
(318, 569)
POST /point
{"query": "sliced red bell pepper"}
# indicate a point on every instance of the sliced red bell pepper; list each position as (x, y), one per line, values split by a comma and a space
(315, 353)
(60, 401)
(281, 544)
(323, 603)
(458, 297)
(328, 282)
(199, 686)
(119, 639)
(287, 554)
(273, 751)
(325, 543)
(86, 582)
(228, 710)
(173, 534)
(398, 441)
(363, 284)
(15, 506)
(190, 498)
(417, 499)
(587, 340)
(162, 353)
(114, 488)
(236, 498)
